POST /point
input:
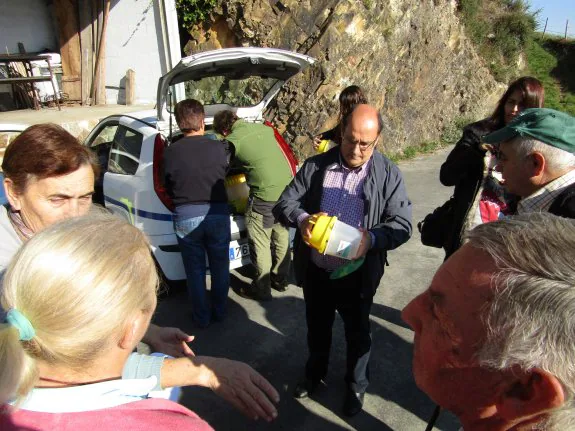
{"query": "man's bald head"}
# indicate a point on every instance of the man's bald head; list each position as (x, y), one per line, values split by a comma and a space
(363, 112)
(360, 132)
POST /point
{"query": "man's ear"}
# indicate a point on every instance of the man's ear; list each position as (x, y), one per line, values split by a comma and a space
(530, 395)
(537, 161)
(11, 194)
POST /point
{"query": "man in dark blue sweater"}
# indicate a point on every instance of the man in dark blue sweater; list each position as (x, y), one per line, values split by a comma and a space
(194, 172)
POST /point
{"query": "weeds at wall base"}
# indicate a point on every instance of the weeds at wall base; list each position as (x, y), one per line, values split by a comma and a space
(449, 136)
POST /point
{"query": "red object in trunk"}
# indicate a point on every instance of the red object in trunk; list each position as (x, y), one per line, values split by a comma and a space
(286, 149)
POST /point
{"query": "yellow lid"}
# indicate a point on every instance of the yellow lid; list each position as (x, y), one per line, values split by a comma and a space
(323, 146)
(322, 226)
(235, 180)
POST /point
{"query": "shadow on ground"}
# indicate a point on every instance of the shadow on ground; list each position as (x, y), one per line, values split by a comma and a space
(271, 337)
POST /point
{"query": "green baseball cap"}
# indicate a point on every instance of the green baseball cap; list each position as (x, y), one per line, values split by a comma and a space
(549, 126)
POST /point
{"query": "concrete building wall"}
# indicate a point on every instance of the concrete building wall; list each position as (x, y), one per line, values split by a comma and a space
(29, 22)
(140, 36)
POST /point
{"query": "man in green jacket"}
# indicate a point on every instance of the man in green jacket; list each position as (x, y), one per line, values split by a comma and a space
(268, 172)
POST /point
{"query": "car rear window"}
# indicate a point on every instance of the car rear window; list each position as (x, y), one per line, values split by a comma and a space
(125, 152)
(215, 90)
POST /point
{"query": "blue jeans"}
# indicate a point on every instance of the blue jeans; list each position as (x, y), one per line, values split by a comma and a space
(198, 236)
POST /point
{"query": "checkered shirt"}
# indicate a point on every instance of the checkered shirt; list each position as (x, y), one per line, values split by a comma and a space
(342, 196)
(541, 200)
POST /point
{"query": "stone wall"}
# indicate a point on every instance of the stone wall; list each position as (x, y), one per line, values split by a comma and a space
(410, 56)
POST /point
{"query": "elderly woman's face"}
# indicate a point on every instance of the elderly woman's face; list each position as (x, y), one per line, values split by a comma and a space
(49, 200)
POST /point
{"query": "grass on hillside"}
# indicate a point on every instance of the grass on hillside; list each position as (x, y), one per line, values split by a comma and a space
(552, 61)
(500, 31)
(449, 136)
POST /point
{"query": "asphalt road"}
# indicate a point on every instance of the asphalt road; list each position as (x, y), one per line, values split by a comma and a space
(271, 337)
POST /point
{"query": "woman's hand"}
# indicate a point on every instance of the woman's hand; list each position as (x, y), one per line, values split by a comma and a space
(170, 341)
(243, 387)
(316, 142)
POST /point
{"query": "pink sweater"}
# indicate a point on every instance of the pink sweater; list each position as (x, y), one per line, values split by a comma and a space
(153, 413)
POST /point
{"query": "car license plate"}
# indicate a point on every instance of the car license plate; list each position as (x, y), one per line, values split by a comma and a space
(237, 250)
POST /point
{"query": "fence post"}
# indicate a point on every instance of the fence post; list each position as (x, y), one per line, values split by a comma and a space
(566, 27)
(130, 87)
(545, 28)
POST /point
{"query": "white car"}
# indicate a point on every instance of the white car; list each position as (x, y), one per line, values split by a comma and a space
(130, 147)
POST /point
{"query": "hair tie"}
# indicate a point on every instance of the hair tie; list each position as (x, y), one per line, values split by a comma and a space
(20, 322)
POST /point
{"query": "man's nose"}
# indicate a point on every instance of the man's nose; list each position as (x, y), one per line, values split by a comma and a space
(409, 314)
(73, 208)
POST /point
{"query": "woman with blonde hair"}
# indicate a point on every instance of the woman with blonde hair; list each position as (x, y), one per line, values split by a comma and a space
(49, 177)
(79, 297)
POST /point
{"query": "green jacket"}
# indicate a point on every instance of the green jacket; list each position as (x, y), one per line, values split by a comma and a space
(259, 154)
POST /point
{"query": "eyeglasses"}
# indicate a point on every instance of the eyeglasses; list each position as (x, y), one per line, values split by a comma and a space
(363, 146)
(496, 152)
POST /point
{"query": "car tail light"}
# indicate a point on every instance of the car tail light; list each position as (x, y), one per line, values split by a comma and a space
(159, 147)
(286, 149)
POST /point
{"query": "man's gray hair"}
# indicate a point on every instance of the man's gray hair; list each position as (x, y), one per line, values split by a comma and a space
(531, 319)
(557, 160)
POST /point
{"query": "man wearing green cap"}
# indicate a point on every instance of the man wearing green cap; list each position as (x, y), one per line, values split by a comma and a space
(536, 160)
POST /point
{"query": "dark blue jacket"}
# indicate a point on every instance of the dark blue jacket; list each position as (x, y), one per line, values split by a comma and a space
(387, 211)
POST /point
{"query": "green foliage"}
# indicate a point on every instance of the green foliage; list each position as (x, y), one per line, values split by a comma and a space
(451, 134)
(500, 29)
(552, 61)
(469, 8)
(191, 12)
(368, 4)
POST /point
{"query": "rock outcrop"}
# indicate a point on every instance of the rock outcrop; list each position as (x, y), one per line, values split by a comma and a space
(410, 56)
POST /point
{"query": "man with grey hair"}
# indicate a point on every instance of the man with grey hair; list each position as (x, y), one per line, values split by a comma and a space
(495, 331)
(536, 160)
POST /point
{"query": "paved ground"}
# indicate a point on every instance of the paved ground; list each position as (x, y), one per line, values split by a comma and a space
(271, 338)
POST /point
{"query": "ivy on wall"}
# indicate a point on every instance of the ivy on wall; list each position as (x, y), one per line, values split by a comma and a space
(191, 12)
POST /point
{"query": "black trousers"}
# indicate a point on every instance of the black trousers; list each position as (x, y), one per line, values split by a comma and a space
(322, 298)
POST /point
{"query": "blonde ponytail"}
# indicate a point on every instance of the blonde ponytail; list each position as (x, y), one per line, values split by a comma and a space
(18, 371)
(78, 283)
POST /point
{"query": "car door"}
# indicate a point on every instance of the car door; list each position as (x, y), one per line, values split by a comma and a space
(118, 149)
(128, 187)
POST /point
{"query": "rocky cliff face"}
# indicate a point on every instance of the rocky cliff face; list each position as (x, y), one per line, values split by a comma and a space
(410, 56)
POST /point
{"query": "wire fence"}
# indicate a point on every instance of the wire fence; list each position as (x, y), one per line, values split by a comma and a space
(570, 35)
(568, 31)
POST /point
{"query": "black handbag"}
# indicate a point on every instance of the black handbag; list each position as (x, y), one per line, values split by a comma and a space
(436, 226)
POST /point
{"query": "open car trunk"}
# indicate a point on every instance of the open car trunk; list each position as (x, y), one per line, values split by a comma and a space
(242, 79)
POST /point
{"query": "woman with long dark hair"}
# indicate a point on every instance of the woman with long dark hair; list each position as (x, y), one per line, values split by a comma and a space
(349, 97)
(470, 163)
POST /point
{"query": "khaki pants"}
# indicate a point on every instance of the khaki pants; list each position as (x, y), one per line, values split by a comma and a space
(269, 252)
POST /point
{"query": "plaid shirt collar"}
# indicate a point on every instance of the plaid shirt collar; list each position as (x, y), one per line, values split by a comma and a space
(542, 199)
(340, 165)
